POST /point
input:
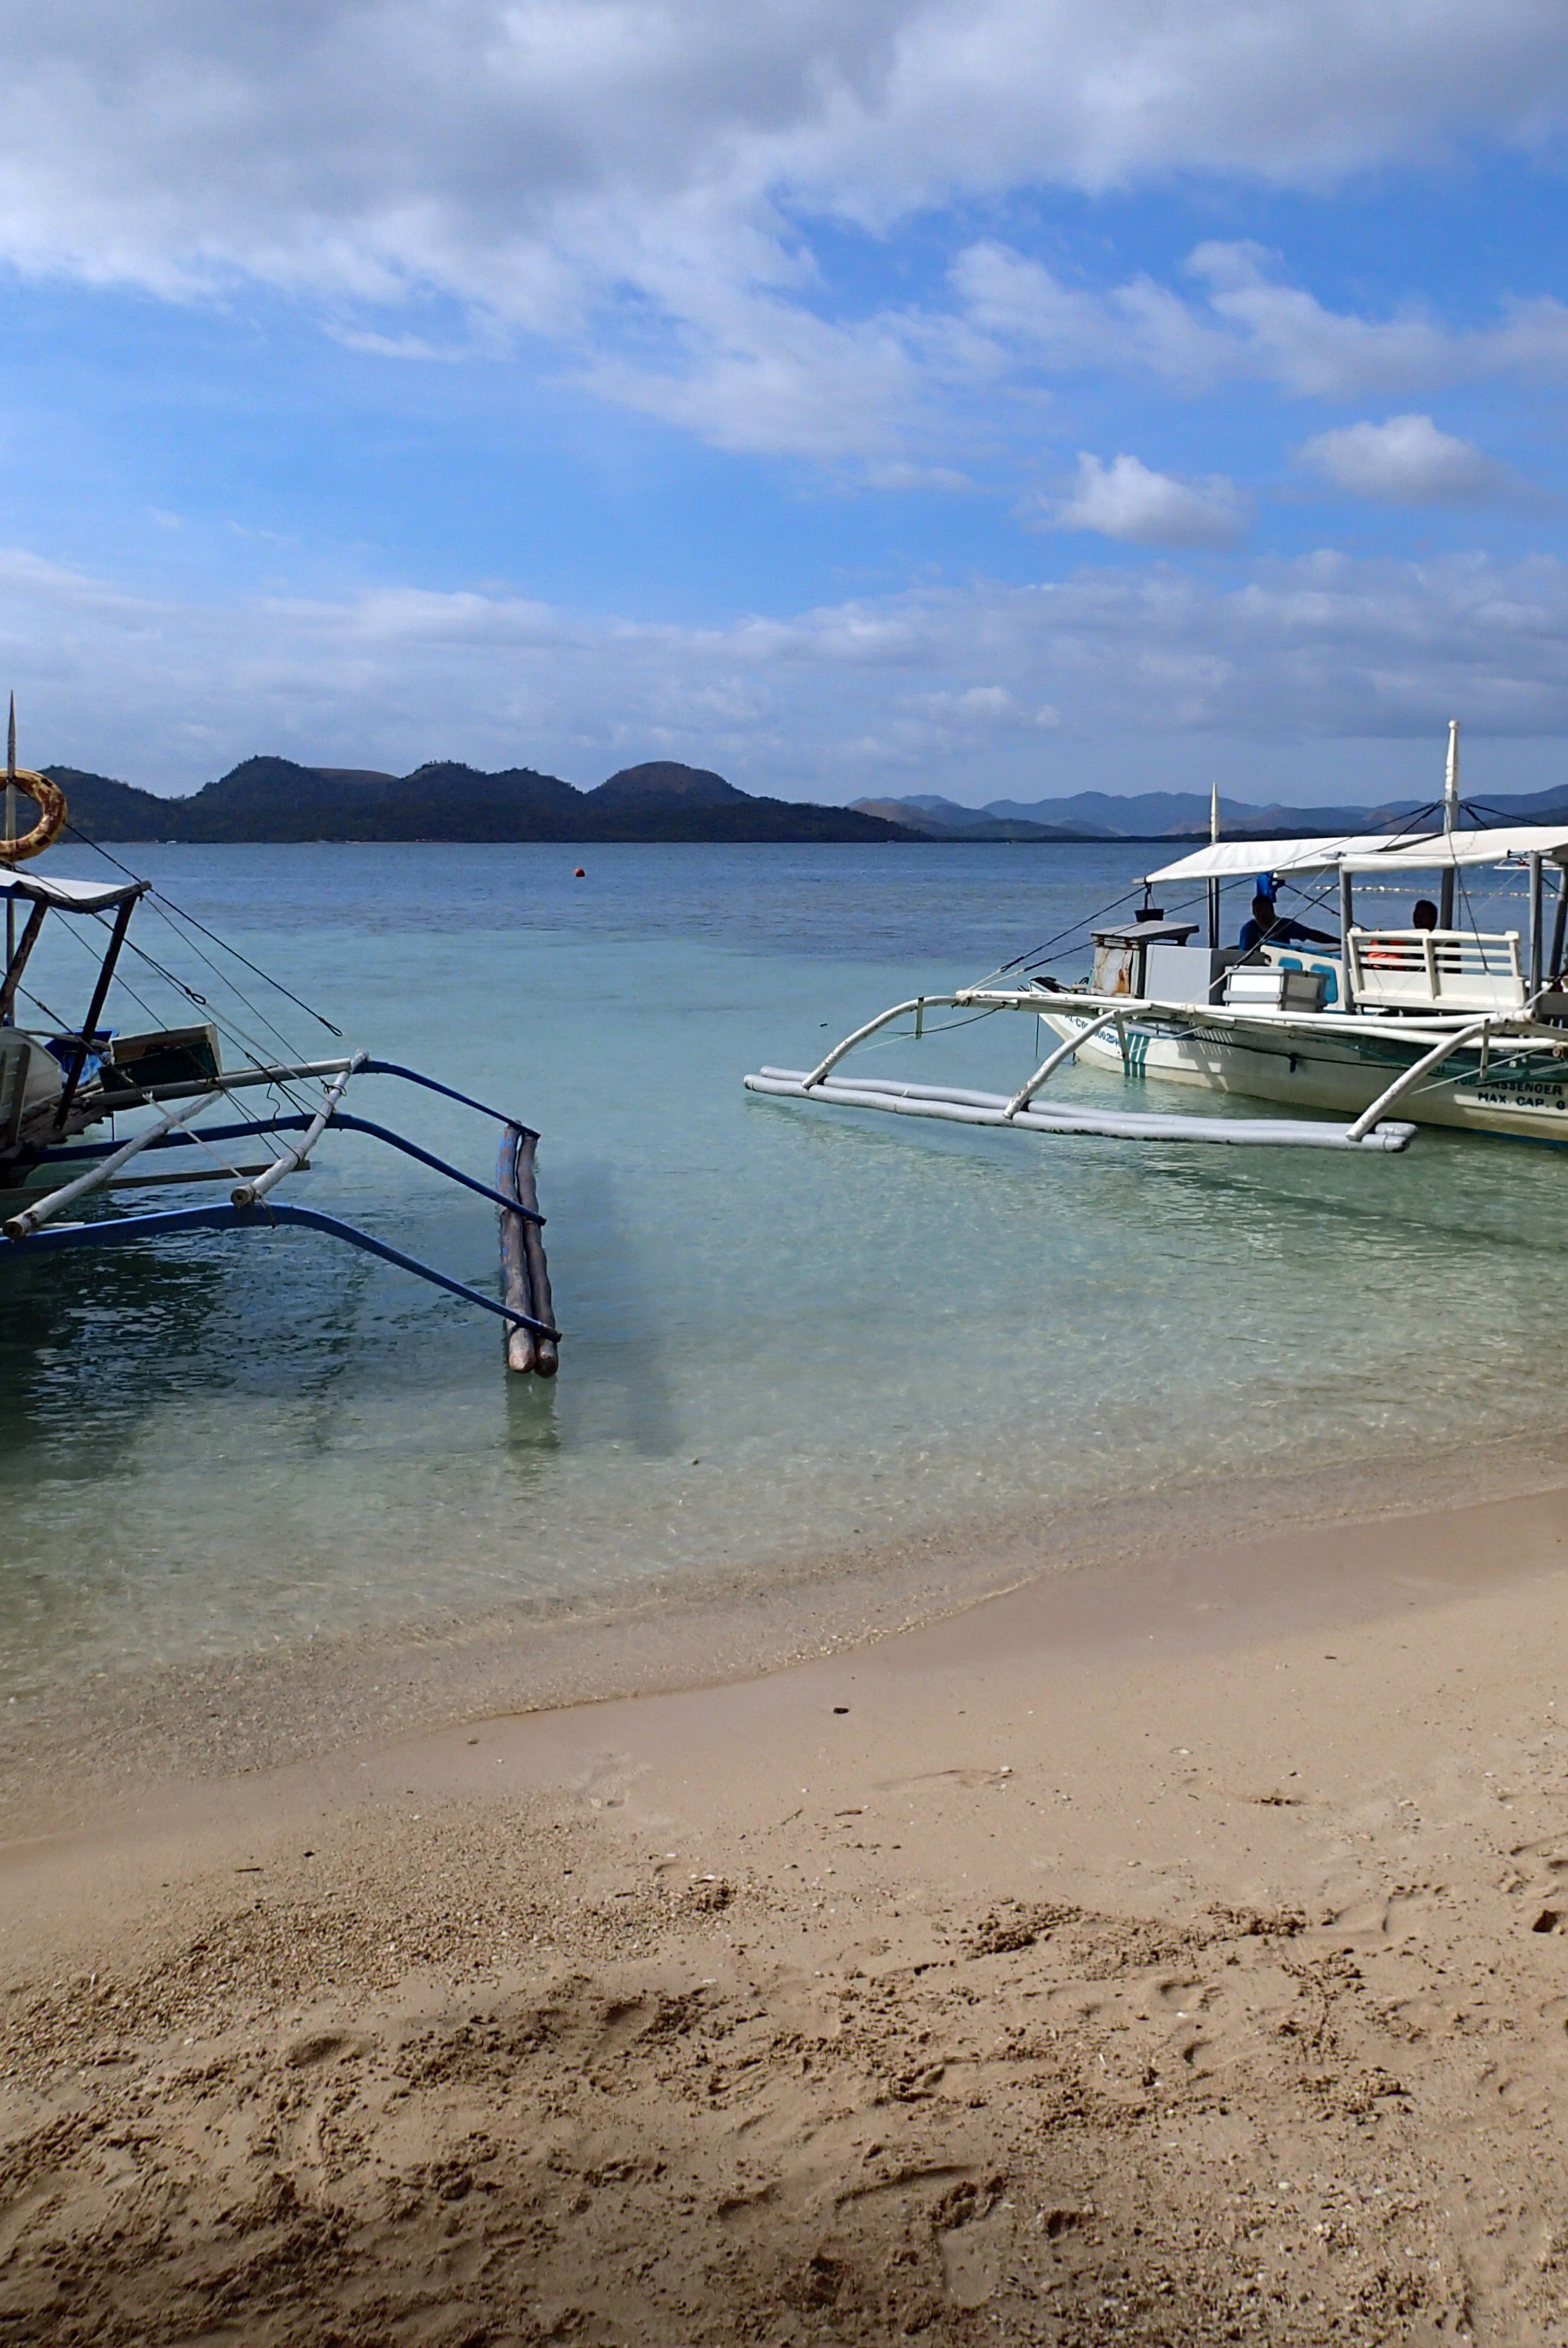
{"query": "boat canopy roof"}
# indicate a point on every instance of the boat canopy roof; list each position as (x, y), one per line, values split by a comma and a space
(1385, 852)
(1495, 846)
(1230, 860)
(70, 896)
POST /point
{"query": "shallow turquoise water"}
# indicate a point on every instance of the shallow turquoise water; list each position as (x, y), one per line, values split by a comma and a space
(785, 1330)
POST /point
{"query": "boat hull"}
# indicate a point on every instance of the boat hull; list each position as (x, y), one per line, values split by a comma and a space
(1305, 1068)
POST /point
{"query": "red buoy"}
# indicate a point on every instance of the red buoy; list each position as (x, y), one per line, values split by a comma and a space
(580, 875)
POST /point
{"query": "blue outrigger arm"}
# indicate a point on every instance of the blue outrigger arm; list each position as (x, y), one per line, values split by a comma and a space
(252, 1209)
(124, 1228)
(83, 1152)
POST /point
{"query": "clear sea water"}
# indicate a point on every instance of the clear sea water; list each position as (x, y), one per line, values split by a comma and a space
(786, 1331)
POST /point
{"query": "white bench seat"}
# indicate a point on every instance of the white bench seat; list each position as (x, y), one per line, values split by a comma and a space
(1440, 970)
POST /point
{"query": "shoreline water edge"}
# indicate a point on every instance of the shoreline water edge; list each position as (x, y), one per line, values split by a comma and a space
(288, 1703)
(1164, 1951)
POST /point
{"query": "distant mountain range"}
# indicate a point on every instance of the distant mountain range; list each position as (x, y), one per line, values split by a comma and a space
(273, 799)
(1175, 815)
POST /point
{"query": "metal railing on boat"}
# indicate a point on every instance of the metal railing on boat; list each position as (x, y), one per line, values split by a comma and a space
(1436, 969)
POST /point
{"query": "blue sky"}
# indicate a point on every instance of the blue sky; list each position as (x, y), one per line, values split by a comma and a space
(999, 400)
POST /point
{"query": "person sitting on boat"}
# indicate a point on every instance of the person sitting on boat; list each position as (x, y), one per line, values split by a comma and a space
(1423, 916)
(1270, 927)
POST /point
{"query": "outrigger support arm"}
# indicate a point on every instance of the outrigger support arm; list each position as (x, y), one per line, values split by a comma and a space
(250, 1194)
(22, 1226)
(87, 1151)
(915, 1003)
(413, 1076)
(1412, 1076)
(238, 1079)
(1053, 1061)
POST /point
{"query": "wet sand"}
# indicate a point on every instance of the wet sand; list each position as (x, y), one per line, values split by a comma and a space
(1173, 1951)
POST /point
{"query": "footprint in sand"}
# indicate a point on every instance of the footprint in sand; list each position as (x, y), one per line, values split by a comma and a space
(930, 1780)
(1167, 1993)
(319, 2047)
(607, 1781)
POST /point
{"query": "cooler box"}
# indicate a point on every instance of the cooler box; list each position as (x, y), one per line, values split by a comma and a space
(1263, 986)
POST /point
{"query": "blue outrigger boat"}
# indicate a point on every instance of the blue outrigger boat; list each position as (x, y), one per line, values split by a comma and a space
(168, 1092)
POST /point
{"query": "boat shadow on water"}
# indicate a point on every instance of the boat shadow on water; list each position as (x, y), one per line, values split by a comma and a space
(621, 1320)
(92, 1346)
(1447, 1206)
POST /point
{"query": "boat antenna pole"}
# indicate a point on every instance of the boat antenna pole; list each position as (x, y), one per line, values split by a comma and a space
(1213, 884)
(11, 830)
(1450, 824)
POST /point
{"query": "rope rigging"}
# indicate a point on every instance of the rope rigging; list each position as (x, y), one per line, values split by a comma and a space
(167, 909)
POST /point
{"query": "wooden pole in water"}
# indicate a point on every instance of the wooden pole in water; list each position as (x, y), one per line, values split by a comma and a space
(546, 1354)
(514, 1287)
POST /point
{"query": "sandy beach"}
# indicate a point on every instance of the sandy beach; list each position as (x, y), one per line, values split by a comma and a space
(1171, 1952)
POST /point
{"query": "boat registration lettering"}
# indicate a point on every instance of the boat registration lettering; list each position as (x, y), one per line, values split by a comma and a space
(1515, 1092)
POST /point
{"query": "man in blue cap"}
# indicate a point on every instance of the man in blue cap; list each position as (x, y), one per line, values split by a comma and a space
(1269, 927)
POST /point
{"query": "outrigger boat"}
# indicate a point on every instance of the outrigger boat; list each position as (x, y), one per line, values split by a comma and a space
(1362, 1041)
(168, 1090)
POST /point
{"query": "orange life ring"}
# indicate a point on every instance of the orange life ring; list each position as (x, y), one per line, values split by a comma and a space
(51, 818)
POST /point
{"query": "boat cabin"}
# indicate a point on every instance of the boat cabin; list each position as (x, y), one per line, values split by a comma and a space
(1385, 973)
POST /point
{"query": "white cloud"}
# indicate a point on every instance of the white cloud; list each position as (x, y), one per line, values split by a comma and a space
(754, 373)
(1028, 312)
(982, 710)
(1286, 336)
(951, 684)
(638, 180)
(328, 143)
(1125, 499)
(1247, 325)
(1407, 461)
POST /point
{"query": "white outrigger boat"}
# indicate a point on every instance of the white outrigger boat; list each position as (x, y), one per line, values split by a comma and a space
(1360, 1041)
(168, 1090)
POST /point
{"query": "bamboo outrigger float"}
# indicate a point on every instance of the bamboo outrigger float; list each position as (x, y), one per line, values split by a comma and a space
(1373, 1034)
(56, 1084)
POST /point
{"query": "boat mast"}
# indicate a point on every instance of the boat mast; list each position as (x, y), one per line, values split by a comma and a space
(1450, 823)
(11, 830)
(1214, 885)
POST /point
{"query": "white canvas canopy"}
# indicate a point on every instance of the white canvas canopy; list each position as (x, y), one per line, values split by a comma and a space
(1496, 845)
(1427, 851)
(1233, 860)
(69, 896)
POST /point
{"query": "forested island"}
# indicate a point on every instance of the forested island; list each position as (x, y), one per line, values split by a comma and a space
(274, 799)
